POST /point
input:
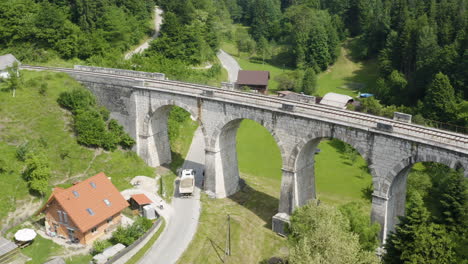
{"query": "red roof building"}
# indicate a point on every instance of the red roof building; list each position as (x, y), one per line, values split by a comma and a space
(255, 80)
(84, 211)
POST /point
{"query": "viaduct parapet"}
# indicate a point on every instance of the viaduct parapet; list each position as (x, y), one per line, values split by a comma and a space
(141, 103)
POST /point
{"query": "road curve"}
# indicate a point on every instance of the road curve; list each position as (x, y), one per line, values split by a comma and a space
(183, 224)
(157, 26)
(230, 64)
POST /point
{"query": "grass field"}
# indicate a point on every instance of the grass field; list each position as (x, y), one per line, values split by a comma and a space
(247, 64)
(252, 240)
(338, 179)
(347, 74)
(41, 250)
(31, 117)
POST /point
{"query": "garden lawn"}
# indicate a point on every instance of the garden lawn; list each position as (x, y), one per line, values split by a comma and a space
(40, 250)
(31, 117)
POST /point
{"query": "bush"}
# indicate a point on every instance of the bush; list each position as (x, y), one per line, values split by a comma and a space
(99, 246)
(22, 150)
(43, 89)
(37, 172)
(76, 100)
(90, 128)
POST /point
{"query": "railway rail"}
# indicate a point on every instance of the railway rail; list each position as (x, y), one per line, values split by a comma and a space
(457, 140)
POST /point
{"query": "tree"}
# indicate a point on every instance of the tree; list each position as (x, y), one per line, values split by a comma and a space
(37, 172)
(417, 240)
(14, 79)
(439, 102)
(309, 83)
(319, 234)
(454, 201)
(264, 48)
(360, 225)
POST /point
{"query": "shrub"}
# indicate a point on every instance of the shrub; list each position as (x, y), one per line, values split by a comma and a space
(99, 246)
(76, 100)
(90, 128)
(43, 89)
(22, 150)
(37, 172)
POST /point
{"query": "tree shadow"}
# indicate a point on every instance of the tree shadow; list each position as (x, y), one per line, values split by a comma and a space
(273, 260)
(366, 192)
(259, 203)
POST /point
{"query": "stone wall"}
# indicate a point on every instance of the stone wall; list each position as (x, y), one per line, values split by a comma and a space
(129, 73)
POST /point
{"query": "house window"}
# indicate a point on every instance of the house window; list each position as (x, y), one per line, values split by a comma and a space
(60, 216)
(90, 211)
(65, 217)
(110, 219)
(92, 184)
(76, 194)
(93, 230)
(107, 202)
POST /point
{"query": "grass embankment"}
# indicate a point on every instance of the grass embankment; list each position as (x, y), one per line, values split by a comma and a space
(148, 245)
(32, 117)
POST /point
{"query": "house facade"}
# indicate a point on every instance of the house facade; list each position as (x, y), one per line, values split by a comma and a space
(85, 211)
(255, 80)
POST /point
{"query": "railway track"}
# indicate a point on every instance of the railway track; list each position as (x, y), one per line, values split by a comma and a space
(360, 119)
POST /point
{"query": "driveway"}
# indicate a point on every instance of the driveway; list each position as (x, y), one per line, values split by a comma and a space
(230, 64)
(185, 213)
(157, 26)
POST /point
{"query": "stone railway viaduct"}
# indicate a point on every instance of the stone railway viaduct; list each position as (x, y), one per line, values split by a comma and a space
(141, 103)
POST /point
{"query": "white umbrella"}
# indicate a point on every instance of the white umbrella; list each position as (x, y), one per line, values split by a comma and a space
(25, 234)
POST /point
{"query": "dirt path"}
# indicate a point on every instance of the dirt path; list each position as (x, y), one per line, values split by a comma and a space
(157, 26)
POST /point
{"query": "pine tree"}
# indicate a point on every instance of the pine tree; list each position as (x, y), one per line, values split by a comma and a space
(418, 241)
(439, 102)
(309, 83)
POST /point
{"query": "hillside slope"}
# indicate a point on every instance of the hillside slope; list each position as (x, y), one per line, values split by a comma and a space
(37, 120)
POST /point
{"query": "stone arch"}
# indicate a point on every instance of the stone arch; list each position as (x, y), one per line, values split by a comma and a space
(319, 135)
(222, 173)
(154, 130)
(394, 186)
(302, 162)
(218, 129)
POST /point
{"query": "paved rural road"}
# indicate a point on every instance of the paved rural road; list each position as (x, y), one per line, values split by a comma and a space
(157, 27)
(230, 64)
(182, 225)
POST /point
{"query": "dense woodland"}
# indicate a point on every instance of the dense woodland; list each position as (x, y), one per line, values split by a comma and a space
(422, 46)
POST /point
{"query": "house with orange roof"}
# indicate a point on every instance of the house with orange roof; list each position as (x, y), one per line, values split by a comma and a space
(85, 211)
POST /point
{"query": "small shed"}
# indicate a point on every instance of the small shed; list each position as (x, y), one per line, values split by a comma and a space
(138, 201)
(255, 80)
(8, 250)
(336, 100)
(6, 61)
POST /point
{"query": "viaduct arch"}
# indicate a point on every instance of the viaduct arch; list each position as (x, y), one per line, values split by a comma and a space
(140, 102)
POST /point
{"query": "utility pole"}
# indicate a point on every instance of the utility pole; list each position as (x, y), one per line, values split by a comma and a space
(228, 241)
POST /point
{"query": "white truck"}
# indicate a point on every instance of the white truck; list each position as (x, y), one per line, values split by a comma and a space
(187, 182)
